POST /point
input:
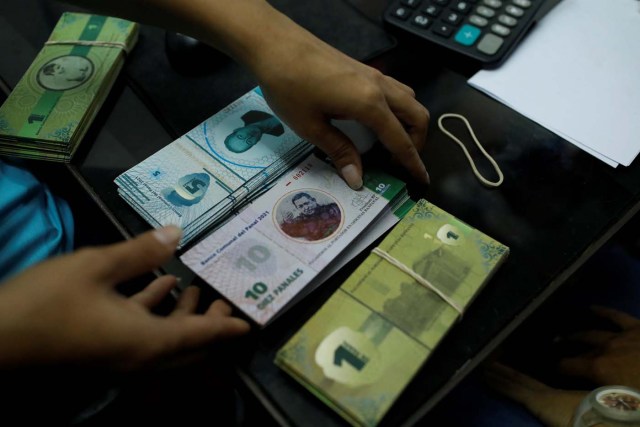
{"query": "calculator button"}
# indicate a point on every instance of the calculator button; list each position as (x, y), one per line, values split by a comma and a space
(507, 20)
(478, 20)
(461, 6)
(411, 3)
(452, 18)
(490, 44)
(432, 10)
(485, 11)
(402, 12)
(421, 21)
(492, 3)
(441, 2)
(443, 30)
(500, 30)
(514, 11)
(522, 3)
(467, 35)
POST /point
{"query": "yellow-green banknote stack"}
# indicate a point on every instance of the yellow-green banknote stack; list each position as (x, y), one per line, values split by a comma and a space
(363, 346)
(51, 107)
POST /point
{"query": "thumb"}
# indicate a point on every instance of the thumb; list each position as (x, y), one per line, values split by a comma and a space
(124, 260)
(343, 153)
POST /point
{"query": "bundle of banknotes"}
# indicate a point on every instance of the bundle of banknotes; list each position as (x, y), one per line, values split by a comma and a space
(364, 345)
(214, 169)
(50, 109)
(288, 240)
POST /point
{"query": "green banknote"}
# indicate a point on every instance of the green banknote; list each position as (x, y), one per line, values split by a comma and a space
(361, 349)
(51, 107)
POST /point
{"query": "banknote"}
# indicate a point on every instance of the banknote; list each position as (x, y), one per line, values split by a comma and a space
(51, 107)
(364, 345)
(264, 256)
(203, 175)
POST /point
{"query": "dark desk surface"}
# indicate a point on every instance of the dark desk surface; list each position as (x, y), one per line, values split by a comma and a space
(556, 207)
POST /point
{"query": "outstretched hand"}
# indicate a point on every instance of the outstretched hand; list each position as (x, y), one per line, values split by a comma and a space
(67, 310)
(614, 359)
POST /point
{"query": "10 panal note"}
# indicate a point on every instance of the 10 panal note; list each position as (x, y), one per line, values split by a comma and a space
(262, 258)
(365, 344)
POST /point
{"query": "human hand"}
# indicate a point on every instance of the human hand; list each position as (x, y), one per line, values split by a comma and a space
(615, 356)
(67, 310)
(554, 407)
(308, 83)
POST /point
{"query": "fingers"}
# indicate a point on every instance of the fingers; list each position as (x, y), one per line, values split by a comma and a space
(595, 338)
(413, 115)
(229, 326)
(155, 292)
(131, 258)
(195, 331)
(184, 332)
(385, 122)
(343, 153)
(401, 86)
(187, 302)
(623, 320)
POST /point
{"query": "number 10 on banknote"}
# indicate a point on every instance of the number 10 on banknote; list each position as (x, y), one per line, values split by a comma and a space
(262, 258)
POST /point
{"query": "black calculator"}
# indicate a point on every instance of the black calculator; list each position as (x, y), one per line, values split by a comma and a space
(484, 30)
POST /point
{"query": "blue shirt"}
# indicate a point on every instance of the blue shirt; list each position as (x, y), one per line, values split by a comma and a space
(34, 224)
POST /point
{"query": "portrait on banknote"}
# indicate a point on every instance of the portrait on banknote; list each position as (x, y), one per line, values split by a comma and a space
(308, 215)
(65, 72)
(256, 124)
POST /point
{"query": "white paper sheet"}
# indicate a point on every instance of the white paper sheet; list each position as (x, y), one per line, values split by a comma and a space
(578, 74)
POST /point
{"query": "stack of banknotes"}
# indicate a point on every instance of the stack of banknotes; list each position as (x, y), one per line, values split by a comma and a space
(214, 169)
(364, 345)
(50, 109)
(288, 240)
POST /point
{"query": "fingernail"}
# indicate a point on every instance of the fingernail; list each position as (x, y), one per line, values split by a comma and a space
(352, 177)
(427, 178)
(168, 236)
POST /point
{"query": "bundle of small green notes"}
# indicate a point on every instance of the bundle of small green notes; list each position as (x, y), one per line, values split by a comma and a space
(50, 109)
(363, 346)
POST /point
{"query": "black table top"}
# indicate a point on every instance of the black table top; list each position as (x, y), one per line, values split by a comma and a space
(557, 206)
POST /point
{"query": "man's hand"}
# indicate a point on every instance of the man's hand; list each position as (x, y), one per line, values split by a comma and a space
(67, 310)
(614, 360)
(555, 408)
(615, 357)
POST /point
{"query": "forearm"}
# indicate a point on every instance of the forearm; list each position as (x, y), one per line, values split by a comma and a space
(246, 30)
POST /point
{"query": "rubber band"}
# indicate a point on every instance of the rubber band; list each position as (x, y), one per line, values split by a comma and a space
(96, 43)
(466, 152)
(418, 278)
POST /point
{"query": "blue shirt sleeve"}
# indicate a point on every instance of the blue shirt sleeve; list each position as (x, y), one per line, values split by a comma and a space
(34, 224)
